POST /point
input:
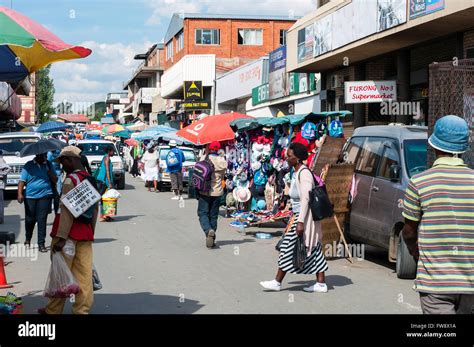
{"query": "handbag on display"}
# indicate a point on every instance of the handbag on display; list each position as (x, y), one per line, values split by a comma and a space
(319, 202)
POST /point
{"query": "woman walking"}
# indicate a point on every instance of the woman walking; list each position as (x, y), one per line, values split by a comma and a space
(106, 175)
(301, 224)
(152, 164)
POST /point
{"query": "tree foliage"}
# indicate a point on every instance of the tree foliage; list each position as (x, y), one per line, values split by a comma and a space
(44, 94)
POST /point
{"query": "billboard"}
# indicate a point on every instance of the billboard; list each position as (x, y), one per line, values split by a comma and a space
(277, 75)
(391, 13)
(322, 35)
(193, 91)
(420, 8)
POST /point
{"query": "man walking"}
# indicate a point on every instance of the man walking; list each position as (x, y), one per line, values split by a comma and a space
(209, 202)
(174, 165)
(80, 232)
(439, 230)
(40, 181)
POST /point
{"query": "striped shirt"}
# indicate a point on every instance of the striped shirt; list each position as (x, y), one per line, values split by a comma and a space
(442, 200)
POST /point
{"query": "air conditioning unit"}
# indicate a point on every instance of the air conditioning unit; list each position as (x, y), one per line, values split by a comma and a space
(337, 81)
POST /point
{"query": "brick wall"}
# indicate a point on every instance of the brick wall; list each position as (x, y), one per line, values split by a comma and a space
(422, 56)
(229, 48)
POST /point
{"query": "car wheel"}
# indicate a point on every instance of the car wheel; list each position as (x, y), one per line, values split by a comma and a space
(121, 183)
(406, 265)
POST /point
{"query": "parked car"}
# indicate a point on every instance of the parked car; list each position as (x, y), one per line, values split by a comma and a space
(190, 161)
(11, 144)
(385, 159)
(94, 150)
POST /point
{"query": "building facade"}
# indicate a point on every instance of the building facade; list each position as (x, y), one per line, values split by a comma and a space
(383, 48)
(202, 47)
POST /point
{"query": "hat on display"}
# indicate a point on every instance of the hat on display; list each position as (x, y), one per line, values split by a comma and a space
(173, 143)
(242, 194)
(230, 200)
(259, 178)
(229, 184)
(261, 205)
(256, 165)
(258, 147)
(335, 129)
(284, 141)
(451, 135)
(308, 131)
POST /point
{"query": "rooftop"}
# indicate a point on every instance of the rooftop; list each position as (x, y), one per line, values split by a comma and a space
(176, 23)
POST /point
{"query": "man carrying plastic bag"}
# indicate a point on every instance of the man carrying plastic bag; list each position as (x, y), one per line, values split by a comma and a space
(72, 240)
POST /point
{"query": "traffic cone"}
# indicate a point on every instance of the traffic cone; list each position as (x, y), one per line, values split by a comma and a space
(3, 277)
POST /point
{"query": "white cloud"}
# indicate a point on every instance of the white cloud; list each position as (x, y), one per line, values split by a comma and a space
(249, 7)
(104, 71)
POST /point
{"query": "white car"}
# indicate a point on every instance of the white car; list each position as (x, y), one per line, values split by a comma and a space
(190, 161)
(94, 150)
(11, 144)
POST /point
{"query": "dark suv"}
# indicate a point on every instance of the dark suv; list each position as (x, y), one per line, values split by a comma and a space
(385, 159)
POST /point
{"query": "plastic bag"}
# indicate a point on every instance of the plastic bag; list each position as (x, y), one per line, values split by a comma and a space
(69, 249)
(61, 282)
(111, 194)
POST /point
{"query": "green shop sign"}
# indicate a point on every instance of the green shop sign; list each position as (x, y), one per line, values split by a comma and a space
(299, 82)
(260, 94)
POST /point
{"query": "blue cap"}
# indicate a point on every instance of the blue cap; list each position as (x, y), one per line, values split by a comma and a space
(451, 135)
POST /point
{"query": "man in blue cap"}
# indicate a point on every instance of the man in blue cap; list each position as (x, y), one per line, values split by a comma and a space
(439, 223)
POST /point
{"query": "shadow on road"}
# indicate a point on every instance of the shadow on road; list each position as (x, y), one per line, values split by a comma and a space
(378, 256)
(129, 187)
(133, 303)
(105, 240)
(233, 242)
(125, 218)
(331, 280)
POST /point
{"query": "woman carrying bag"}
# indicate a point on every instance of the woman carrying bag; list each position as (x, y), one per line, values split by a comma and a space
(301, 249)
(104, 176)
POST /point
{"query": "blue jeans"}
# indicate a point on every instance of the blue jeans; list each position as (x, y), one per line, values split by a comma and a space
(208, 212)
(36, 211)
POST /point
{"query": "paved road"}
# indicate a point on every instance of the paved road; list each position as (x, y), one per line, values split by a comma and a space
(153, 259)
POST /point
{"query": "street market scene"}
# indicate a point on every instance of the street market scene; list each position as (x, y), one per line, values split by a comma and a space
(305, 157)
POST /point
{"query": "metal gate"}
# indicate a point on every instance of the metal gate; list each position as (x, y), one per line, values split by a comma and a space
(452, 92)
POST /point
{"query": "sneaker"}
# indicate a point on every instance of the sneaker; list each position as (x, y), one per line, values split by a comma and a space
(211, 236)
(43, 249)
(318, 288)
(271, 285)
(175, 197)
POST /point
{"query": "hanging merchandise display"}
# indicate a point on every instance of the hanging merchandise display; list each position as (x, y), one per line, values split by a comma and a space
(335, 129)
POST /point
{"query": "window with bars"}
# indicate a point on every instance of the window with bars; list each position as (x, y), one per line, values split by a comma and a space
(208, 37)
(169, 50)
(180, 42)
(283, 37)
(250, 37)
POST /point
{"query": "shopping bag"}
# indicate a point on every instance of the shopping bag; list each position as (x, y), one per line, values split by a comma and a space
(61, 282)
(299, 253)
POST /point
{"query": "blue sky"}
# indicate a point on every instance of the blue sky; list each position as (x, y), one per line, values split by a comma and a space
(116, 30)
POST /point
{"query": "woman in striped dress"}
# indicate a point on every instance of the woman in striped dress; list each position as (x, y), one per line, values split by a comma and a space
(301, 224)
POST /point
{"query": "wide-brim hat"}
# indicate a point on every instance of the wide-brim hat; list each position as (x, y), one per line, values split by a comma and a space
(242, 194)
(451, 135)
(69, 151)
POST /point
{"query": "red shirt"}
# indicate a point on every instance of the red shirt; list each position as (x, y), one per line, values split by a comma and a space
(79, 231)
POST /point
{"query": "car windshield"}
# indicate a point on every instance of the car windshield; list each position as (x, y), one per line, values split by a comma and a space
(415, 156)
(95, 148)
(188, 154)
(11, 146)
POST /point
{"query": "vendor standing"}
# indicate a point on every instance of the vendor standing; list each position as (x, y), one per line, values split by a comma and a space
(301, 224)
(40, 181)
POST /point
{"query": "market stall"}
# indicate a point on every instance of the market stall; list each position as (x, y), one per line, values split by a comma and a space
(258, 177)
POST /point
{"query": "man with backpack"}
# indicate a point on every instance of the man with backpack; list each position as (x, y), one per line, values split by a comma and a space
(80, 231)
(207, 179)
(174, 165)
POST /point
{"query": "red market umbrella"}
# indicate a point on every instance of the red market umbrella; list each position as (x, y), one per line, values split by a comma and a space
(131, 142)
(211, 128)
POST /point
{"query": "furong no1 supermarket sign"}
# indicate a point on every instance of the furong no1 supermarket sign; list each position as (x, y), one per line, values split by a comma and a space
(370, 91)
